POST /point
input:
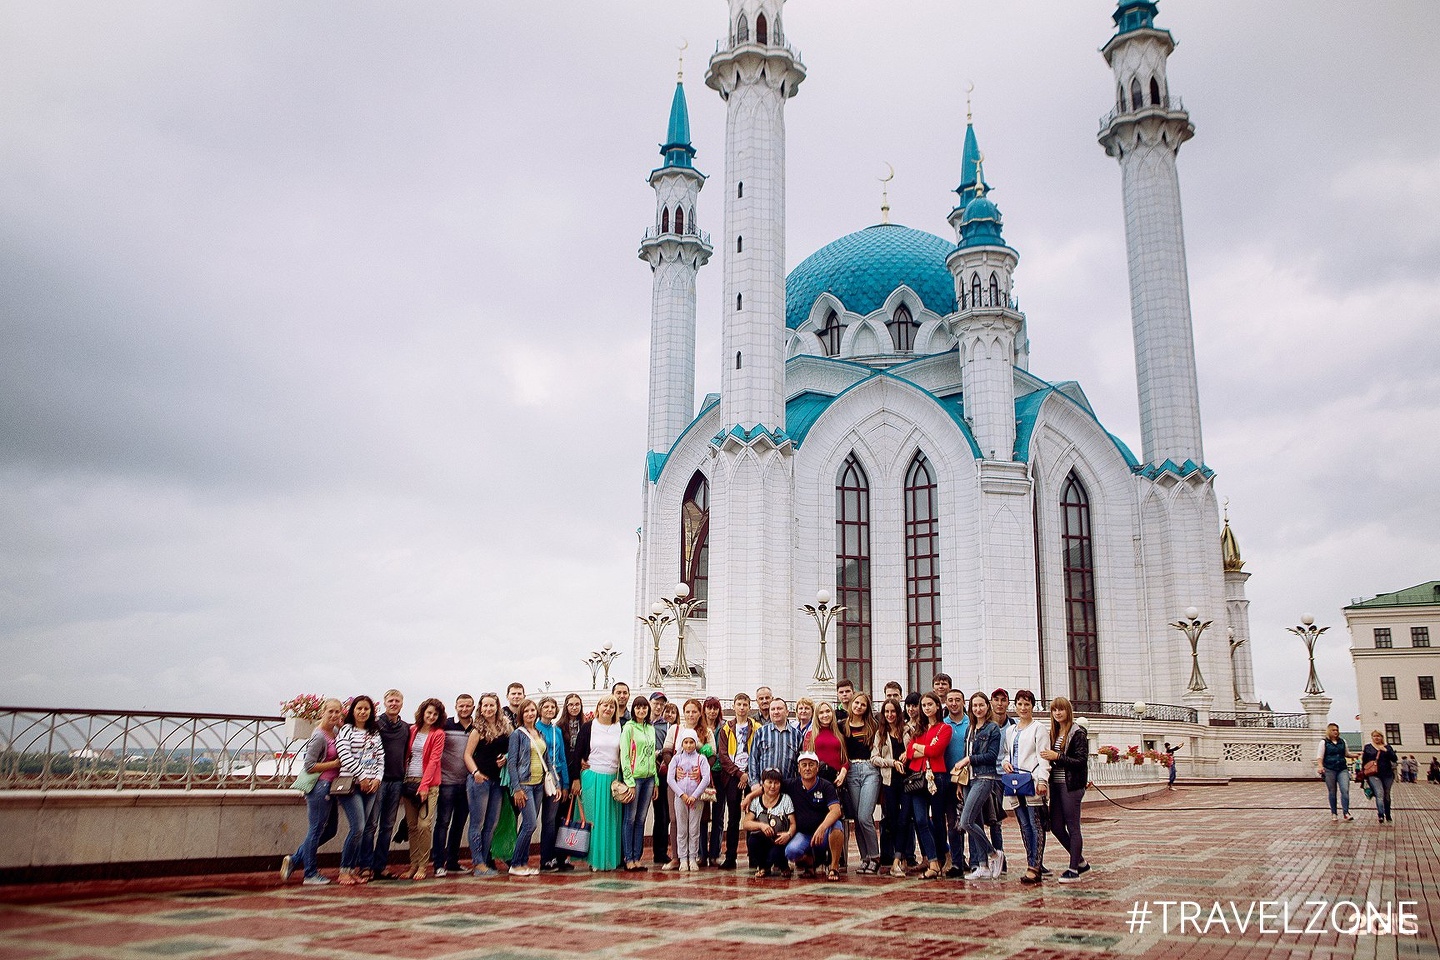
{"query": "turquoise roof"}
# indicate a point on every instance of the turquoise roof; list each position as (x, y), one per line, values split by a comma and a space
(677, 149)
(981, 226)
(970, 171)
(863, 268)
(801, 412)
(1027, 411)
(1133, 15)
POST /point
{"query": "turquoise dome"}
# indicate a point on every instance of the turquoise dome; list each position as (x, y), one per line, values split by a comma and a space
(981, 208)
(861, 269)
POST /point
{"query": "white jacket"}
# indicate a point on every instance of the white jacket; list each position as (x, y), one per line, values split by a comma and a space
(1021, 749)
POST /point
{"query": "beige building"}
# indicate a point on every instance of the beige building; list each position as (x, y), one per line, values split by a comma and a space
(1396, 666)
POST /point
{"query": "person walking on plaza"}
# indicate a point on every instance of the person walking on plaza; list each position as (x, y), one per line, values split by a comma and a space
(1333, 763)
(362, 757)
(422, 782)
(928, 782)
(637, 771)
(559, 765)
(599, 767)
(1069, 756)
(321, 758)
(453, 808)
(1020, 752)
(1378, 759)
(526, 767)
(395, 739)
(486, 748)
(1170, 751)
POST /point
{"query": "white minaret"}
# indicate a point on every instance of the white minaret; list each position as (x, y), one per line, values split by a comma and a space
(752, 614)
(676, 250)
(755, 74)
(1144, 133)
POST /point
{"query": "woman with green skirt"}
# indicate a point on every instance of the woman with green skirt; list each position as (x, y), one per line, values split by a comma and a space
(599, 751)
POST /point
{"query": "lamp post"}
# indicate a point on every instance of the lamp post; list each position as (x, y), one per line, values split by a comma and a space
(680, 609)
(823, 614)
(605, 657)
(656, 623)
(1139, 707)
(1307, 631)
(593, 662)
(1235, 645)
(1192, 626)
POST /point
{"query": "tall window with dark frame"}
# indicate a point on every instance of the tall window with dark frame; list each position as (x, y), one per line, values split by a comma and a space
(1392, 734)
(922, 575)
(1383, 640)
(762, 29)
(1154, 92)
(1427, 688)
(1387, 689)
(1078, 564)
(742, 30)
(1419, 636)
(852, 573)
(665, 220)
(695, 539)
(1432, 734)
(1137, 100)
(902, 329)
(831, 334)
(679, 219)
(975, 290)
(994, 290)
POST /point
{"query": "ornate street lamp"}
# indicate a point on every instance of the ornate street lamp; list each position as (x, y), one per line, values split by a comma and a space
(1139, 707)
(1192, 626)
(1235, 645)
(823, 614)
(680, 610)
(1307, 631)
(656, 623)
(593, 662)
(604, 658)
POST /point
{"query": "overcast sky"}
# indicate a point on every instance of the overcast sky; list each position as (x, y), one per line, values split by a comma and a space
(323, 336)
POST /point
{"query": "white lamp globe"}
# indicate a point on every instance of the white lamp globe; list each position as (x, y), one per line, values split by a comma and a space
(822, 596)
(682, 590)
(1191, 613)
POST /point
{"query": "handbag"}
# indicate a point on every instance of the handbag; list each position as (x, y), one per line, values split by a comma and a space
(571, 838)
(305, 782)
(1021, 783)
(915, 781)
(708, 795)
(342, 786)
(1371, 769)
(621, 792)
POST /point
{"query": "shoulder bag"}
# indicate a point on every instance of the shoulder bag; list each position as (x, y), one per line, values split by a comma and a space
(1371, 769)
(572, 838)
(342, 786)
(305, 782)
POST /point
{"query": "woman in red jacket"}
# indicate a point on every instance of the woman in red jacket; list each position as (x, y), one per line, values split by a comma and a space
(928, 781)
(422, 780)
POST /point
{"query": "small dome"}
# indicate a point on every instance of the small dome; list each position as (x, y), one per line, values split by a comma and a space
(863, 268)
(981, 208)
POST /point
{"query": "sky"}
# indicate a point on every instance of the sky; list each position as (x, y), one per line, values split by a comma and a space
(323, 336)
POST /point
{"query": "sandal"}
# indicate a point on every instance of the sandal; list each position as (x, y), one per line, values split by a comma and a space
(420, 874)
(832, 874)
(762, 873)
(932, 872)
(1031, 876)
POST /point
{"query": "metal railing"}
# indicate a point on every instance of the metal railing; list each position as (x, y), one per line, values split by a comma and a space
(44, 749)
(655, 233)
(1126, 709)
(1166, 105)
(1268, 721)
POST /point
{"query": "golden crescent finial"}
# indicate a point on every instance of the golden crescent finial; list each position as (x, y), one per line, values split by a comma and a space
(980, 173)
(969, 89)
(680, 73)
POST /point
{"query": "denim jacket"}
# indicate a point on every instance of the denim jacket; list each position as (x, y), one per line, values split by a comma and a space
(985, 751)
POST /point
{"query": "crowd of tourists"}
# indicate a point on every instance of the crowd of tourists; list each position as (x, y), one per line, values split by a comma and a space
(1374, 767)
(924, 782)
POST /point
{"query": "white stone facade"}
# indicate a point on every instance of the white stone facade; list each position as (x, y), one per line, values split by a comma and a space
(1397, 683)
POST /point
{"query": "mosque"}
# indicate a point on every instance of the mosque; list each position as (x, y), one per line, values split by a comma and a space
(878, 434)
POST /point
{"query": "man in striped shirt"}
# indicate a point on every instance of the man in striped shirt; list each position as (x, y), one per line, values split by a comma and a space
(777, 744)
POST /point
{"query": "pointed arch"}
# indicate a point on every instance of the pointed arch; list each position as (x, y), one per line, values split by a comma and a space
(1120, 96)
(1077, 563)
(852, 572)
(740, 244)
(695, 538)
(974, 289)
(994, 289)
(679, 219)
(762, 29)
(742, 29)
(1154, 92)
(1137, 99)
(694, 224)
(922, 574)
(831, 334)
(902, 329)
(665, 220)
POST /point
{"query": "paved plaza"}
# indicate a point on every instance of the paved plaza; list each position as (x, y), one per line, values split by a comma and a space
(1239, 845)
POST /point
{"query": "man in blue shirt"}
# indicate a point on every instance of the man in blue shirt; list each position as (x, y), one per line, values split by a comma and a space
(959, 722)
(777, 744)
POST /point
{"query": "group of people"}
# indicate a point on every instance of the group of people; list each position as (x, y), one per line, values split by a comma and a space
(1375, 766)
(922, 782)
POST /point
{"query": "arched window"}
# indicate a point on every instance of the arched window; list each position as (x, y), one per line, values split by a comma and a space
(742, 29)
(852, 573)
(739, 244)
(1120, 97)
(740, 190)
(831, 334)
(694, 225)
(994, 290)
(1154, 92)
(665, 220)
(1078, 565)
(922, 575)
(737, 359)
(679, 219)
(1137, 99)
(695, 539)
(974, 289)
(902, 329)
(762, 29)
(739, 301)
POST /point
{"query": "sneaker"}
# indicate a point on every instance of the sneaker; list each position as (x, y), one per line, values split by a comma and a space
(523, 872)
(1069, 876)
(1334, 818)
(315, 881)
(483, 872)
(997, 864)
(1084, 868)
(981, 872)
(564, 866)
(1046, 872)
(672, 865)
(1348, 818)
(287, 867)
(441, 872)
(549, 866)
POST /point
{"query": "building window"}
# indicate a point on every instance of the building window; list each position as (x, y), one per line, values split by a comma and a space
(831, 334)
(1078, 563)
(852, 573)
(974, 289)
(665, 220)
(994, 290)
(740, 190)
(1392, 734)
(742, 29)
(922, 575)
(739, 305)
(1137, 99)
(1419, 636)
(762, 29)
(1427, 688)
(1387, 689)
(739, 244)
(902, 329)
(1432, 734)
(1382, 638)
(1120, 97)
(679, 220)
(695, 539)
(1154, 92)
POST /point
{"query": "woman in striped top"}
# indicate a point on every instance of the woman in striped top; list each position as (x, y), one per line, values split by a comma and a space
(362, 756)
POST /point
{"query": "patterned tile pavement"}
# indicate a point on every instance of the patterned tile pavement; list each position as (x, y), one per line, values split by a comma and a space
(1236, 845)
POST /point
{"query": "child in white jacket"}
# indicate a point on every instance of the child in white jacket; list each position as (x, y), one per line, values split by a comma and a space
(688, 777)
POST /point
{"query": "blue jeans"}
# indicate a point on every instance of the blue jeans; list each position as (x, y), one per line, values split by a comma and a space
(485, 805)
(534, 799)
(863, 784)
(385, 811)
(450, 812)
(354, 807)
(972, 817)
(324, 819)
(927, 810)
(1338, 779)
(549, 827)
(632, 830)
(1380, 786)
(800, 844)
(1030, 832)
(370, 804)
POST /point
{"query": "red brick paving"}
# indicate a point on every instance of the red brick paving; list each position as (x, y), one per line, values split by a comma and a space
(1240, 843)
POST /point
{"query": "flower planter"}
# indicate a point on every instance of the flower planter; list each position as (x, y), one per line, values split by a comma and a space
(298, 728)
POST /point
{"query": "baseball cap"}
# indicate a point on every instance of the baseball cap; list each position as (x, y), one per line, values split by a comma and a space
(807, 755)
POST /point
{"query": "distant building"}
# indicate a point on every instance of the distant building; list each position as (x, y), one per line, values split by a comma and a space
(1396, 666)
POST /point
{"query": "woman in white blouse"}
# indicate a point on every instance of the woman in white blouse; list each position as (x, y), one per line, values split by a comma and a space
(1020, 750)
(599, 753)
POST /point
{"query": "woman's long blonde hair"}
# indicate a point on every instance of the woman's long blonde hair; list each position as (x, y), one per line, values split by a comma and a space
(1059, 734)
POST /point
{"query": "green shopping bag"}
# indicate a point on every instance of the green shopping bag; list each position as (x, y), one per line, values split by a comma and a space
(502, 845)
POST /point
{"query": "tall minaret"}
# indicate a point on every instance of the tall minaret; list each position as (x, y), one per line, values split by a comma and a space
(676, 250)
(755, 74)
(1144, 133)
